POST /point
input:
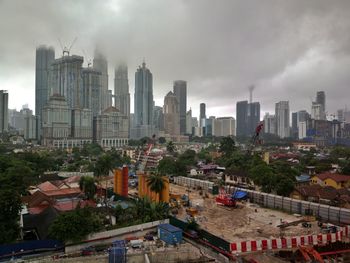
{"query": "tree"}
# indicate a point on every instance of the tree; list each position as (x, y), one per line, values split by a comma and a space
(188, 157)
(170, 147)
(88, 186)
(10, 206)
(156, 182)
(162, 140)
(227, 146)
(75, 225)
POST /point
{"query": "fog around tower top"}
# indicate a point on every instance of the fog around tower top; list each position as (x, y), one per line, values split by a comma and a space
(287, 49)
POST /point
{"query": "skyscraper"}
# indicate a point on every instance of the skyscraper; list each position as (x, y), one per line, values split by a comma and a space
(121, 89)
(202, 119)
(143, 103)
(253, 117)
(92, 90)
(180, 91)
(294, 125)
(202, 114)
(242, 118)
(43, 58)
(66, 79)
(282, 119)
(158, 118)
(269, 123)
(100, 64)
(321, 99)
(4, 123)
(171, 114)
(224, 126)
(189, 123)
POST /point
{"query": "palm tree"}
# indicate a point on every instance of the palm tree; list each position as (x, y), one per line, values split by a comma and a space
(156, 182)
(87, 185)
(103, 166)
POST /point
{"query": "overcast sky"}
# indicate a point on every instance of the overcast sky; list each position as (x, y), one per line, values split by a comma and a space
(288, 49)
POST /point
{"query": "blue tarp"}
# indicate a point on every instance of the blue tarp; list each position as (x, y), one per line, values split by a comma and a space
(30, 247)
(239, 195)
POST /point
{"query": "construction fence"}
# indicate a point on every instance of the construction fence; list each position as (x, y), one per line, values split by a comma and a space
(194, 183)
(322, 212)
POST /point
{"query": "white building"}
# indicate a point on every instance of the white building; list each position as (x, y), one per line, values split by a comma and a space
(282, 119)
(56, 121)
(112, 128)
(302, 130)
(269, 123)
(316, 111)
(225, 126)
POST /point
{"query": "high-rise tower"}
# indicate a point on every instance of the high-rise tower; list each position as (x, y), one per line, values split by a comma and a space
(242, 118)
(100, 64)
(282, 119)
(321, 100)
(143, 103)
(121, 90)
(171, 114)
(92, 90)
(66, 79)
(180, 91)
(4, 98)
(44, 57)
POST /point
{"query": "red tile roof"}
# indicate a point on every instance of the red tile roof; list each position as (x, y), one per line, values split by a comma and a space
(63, 192)
(47, 186)
(72, 204)
(72, 179)
(336, 177)
(63, 206)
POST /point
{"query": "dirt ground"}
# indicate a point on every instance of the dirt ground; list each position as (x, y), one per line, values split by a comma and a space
(246, 222)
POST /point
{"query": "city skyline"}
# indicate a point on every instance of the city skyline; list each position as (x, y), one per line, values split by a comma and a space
(290, 64)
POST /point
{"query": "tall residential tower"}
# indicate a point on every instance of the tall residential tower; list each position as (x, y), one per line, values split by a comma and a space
(143, 103)
(180, 91)
(44, 57)
(121, 89)
(282, 119)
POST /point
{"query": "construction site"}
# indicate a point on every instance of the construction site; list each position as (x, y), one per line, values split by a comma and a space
(242, 222)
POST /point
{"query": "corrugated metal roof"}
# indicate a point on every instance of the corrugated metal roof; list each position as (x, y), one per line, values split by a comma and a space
(170, 228)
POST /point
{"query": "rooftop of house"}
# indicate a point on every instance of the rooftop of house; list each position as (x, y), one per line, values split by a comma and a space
(302, 178)
(328, 192)
(336, 177)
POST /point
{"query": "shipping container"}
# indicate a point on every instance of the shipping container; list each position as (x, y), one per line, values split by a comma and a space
(169, 234)
(117, 255)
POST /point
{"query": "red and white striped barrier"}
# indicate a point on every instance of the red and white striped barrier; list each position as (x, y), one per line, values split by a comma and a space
(289, 242)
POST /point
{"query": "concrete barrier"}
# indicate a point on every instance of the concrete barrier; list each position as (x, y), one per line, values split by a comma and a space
(289, 242)
(107, 237)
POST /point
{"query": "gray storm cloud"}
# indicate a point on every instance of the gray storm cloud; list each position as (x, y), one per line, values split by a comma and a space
(287, 49)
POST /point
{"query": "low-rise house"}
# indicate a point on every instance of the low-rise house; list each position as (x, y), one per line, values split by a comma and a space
(332, 179)
(239, 179)
(325, 195)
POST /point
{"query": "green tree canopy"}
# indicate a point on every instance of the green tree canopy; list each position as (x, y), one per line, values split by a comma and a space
(75, 225)
(227, 146)
(170, 147)
(156, 182)
(88, 186)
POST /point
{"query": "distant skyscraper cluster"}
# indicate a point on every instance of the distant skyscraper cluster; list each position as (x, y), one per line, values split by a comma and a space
(74, 106)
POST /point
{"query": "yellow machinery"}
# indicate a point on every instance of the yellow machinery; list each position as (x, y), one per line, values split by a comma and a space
(191, 211)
